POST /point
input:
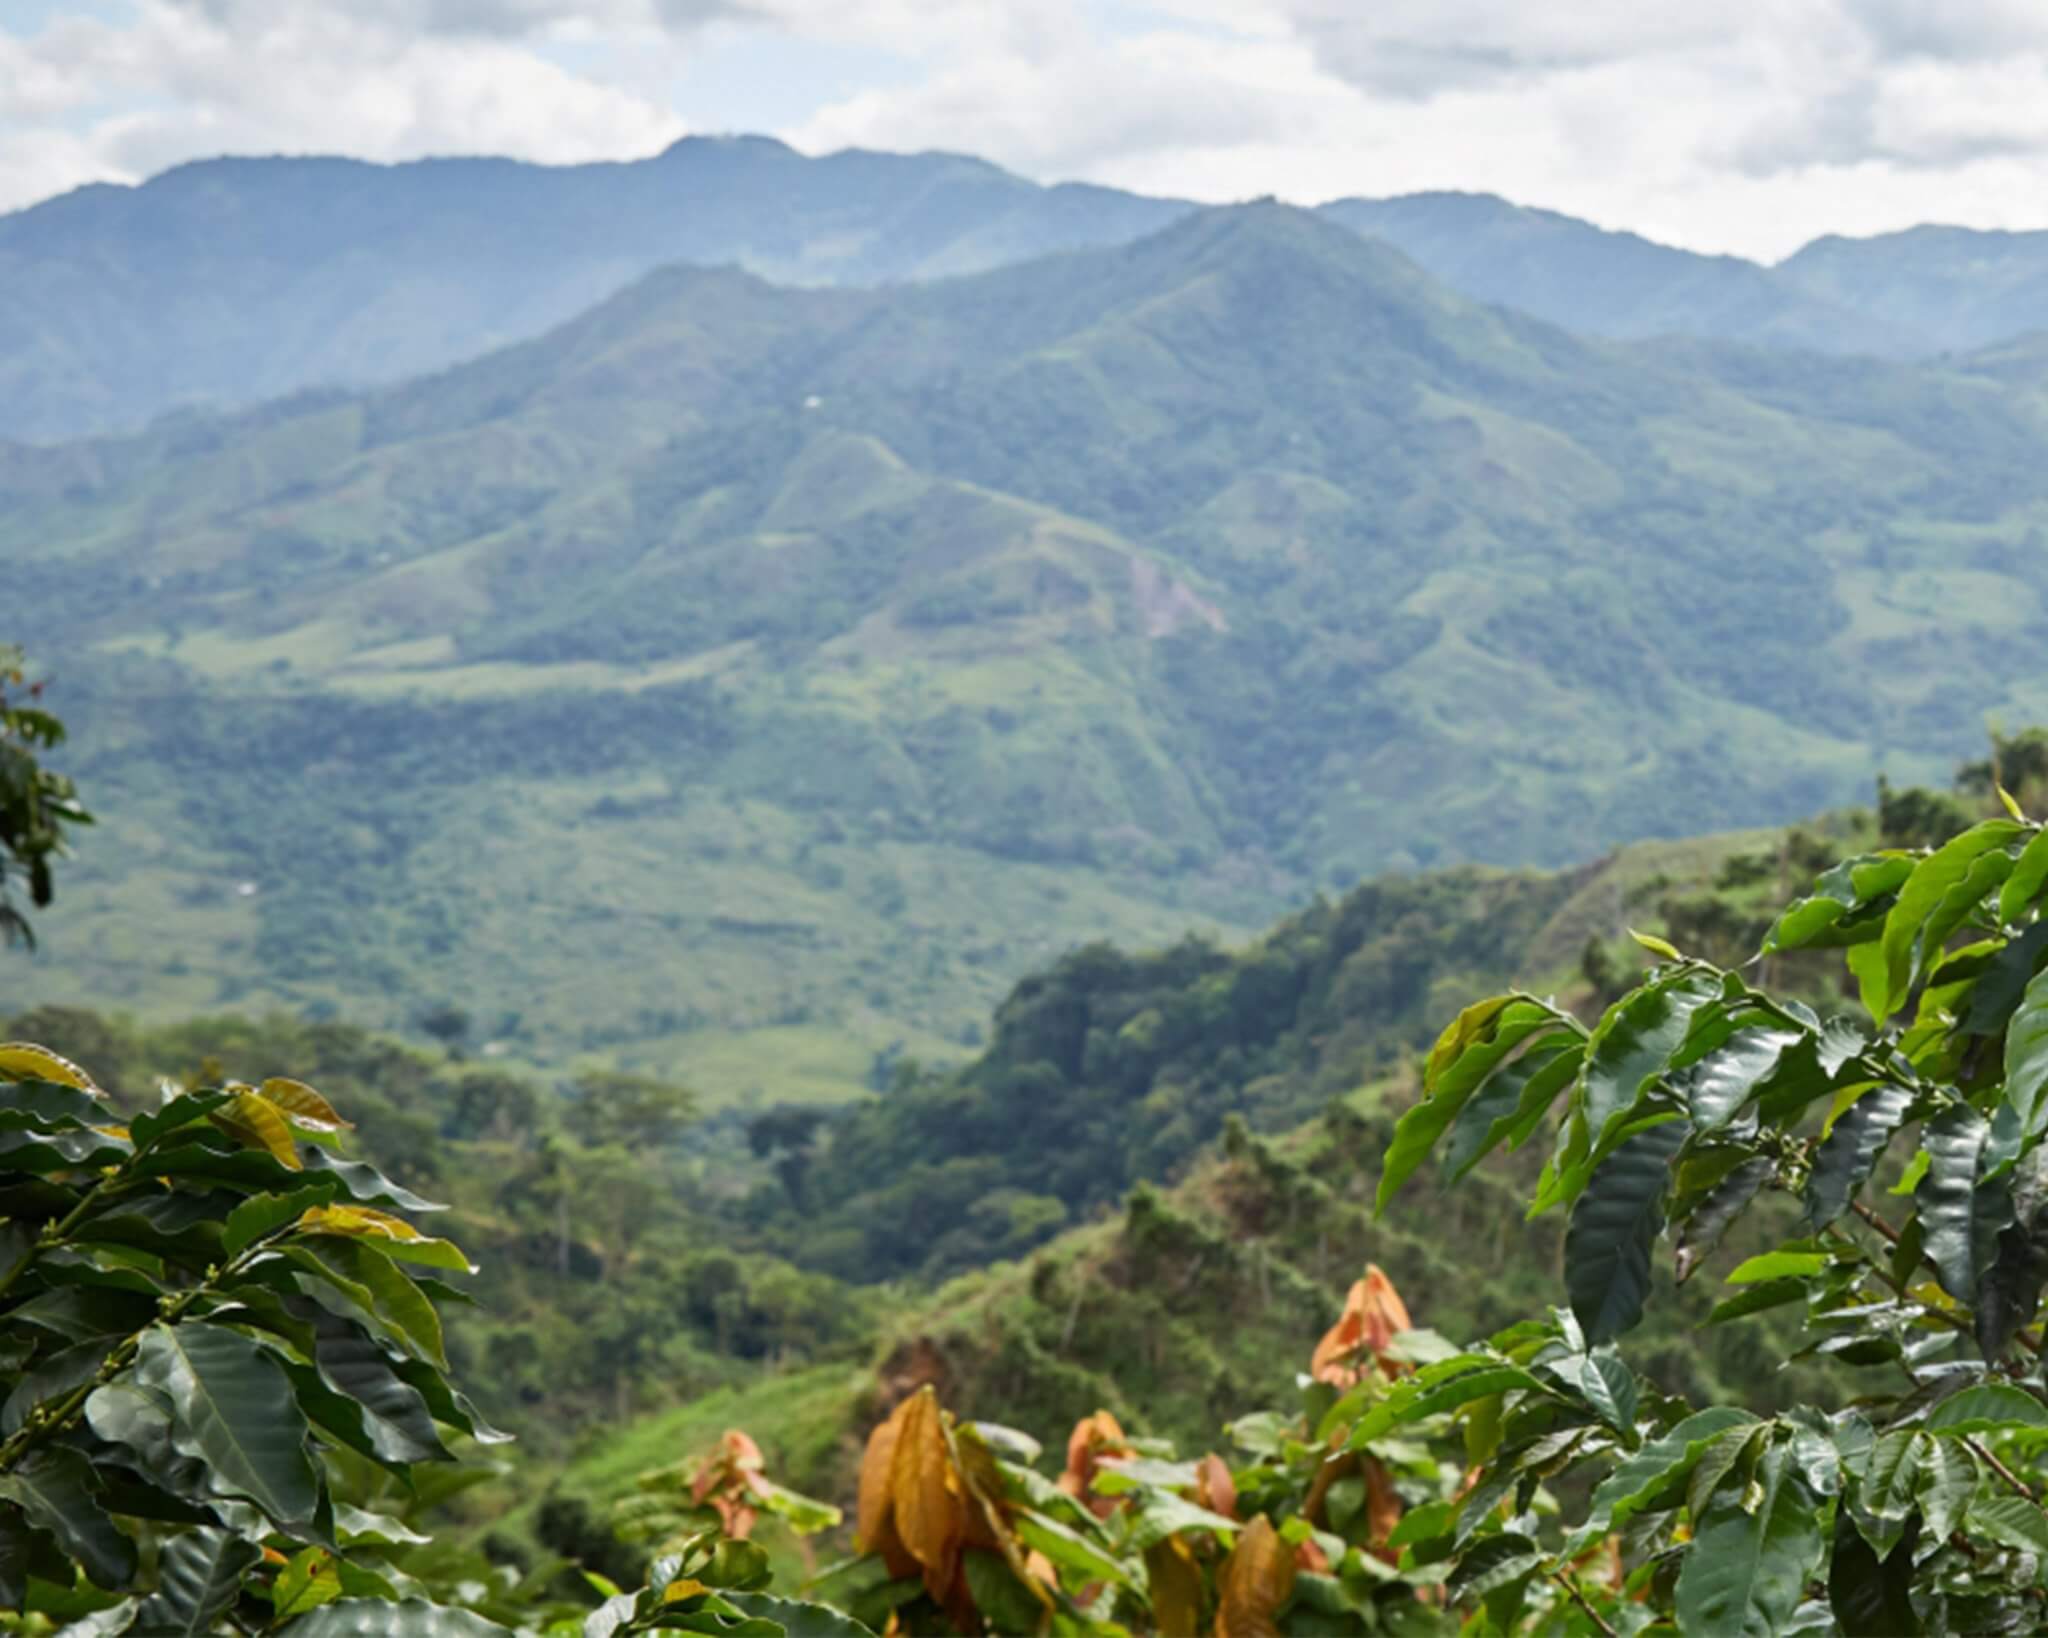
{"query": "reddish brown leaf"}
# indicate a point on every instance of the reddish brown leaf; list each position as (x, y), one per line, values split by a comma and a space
(1382, 1508)
(1215, 1489)
(1254, 1582)
(1093, 1438)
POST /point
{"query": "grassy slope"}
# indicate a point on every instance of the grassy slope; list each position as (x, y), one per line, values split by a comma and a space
(722, 683)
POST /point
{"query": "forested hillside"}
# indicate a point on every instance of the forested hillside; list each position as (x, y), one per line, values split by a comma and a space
(892, 642)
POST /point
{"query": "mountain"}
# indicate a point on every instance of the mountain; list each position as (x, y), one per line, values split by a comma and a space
(752, 682)
(233, 280)
(1960, 288)
(1622, 285)
(225, 282)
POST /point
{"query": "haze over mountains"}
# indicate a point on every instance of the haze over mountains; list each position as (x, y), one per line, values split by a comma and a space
(229, 281)
(740, 674)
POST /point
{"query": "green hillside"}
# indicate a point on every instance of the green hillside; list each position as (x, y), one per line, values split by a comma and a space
(745, 677)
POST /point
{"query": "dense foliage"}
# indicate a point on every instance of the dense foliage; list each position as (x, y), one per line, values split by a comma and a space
(36, 803)
(1916, 1504)
(209, 1321)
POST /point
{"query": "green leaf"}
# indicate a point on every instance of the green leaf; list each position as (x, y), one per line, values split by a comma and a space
(234, 1410)
(1493, 1561)
(1771, 1294)
(1850, 885)
(1613, 1226)
(1164, 1514)
(1652, 1470)
(1779, 1265)
(375, 1618)
(1990, 1407)
(2023, 886)
(1922, 895)
(309, 1580)
(1071, 1549)
(1847, 1156)
(199, 1574)
(2011, 1521)
(2026, 1059)
(1634, 1044)
(1470, 1051)
(1417, 1398)
(1746, 1569)
(1725, 1081)
(55, 1487)
(378, 1285)
(397, 1419)
(1946, 1480)
(1871, 1597)
(1963, 1213)
(263, 1214)
(1702, 1228)
(1511, 1101)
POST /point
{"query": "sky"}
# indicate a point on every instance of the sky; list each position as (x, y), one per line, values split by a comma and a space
(1747, 126)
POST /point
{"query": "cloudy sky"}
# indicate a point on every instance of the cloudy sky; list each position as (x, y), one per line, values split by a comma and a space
(1740, 125)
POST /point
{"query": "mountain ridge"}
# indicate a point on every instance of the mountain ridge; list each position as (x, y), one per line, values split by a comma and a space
(234, 280)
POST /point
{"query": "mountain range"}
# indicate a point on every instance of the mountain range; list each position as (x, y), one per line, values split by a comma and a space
(754, 680)
(225, 282)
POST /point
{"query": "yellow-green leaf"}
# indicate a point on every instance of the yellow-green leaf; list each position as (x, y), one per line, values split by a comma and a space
(303, 1106)
(1656, 946)
(21, 1061)
(257, 1123)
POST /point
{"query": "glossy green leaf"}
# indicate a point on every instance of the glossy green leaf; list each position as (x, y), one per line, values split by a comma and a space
(1069, 1548)
(1818, 919)
(1462, 1060)
(1634, 1044)
(374, 1618)
(2011, 1521)
(1511, 1102)
(1702, 1228)
(1415, 1399)
(1612, 1229)
(55, 1487)
(199, 1574)
(1651, 1471)
(1747, 1566)
(1987, 1408)
(1493, 1561)
(234, 1409)
(1920, 897)
(1847, 1156)
(1963, 1213)
(2026, 1059)
(397, 1420)
(1725, 1081)
(265, 1214)
(2029, 874)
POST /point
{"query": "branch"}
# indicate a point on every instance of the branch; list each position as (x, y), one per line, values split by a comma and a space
(1564, 1579)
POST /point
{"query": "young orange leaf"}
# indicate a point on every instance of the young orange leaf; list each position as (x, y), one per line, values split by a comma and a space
(1254, 1582)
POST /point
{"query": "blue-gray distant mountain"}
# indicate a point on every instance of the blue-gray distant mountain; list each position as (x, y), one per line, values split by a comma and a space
(234, 280)
(1618, 284)
(1958, 288)
(229, 281)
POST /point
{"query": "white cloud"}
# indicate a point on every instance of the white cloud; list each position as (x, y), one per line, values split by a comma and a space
(1738, 124)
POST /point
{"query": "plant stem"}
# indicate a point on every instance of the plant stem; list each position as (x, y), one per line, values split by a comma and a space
(1564, 1579)
(2012, 1479)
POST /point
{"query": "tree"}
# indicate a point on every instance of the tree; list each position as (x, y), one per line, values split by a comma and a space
(36, 805)
(640, 1111)
(1895, 1163)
